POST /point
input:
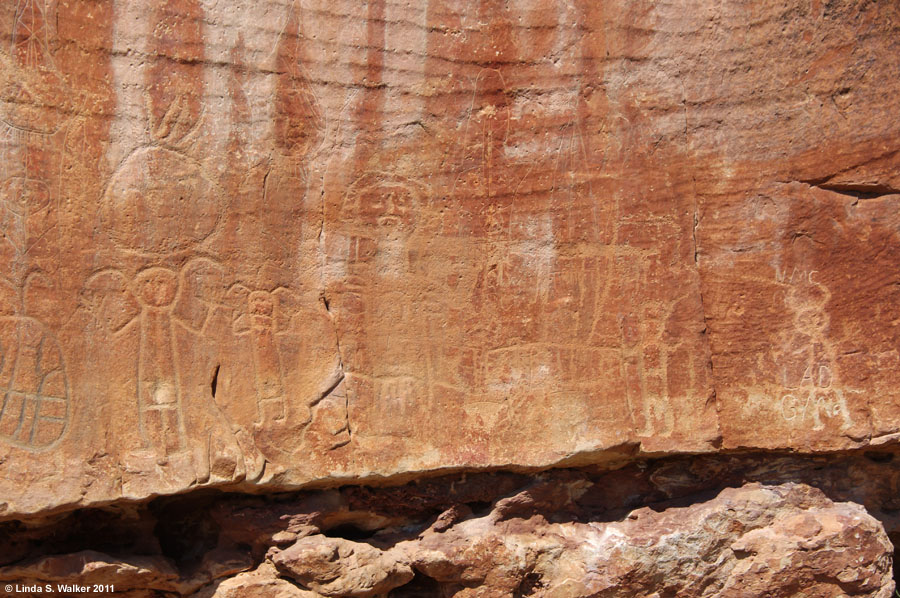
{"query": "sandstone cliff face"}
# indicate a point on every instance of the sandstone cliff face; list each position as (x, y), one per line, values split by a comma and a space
(278, 243)
(269, 245)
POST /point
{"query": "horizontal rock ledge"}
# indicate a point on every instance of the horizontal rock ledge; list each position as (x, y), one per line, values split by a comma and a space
(704, 526)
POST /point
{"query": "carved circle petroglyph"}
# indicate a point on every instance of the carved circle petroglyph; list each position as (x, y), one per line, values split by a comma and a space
(34, 412)
(160, 202)
(24, 196)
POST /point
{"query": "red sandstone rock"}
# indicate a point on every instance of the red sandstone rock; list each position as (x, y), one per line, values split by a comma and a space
(270, 244)
(131, 574)
(775, 541)
(338, 567)
(561, 533)
(262, 582)
(91, 567)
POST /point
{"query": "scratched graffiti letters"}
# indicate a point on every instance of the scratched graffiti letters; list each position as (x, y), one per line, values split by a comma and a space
(813, 390)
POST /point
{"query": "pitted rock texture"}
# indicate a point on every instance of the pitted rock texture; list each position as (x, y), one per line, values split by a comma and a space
(546, 536)
(753, 541)
(272, 243)
(338, 567)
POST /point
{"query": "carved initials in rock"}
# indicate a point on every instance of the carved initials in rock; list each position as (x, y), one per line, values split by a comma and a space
(807, 358)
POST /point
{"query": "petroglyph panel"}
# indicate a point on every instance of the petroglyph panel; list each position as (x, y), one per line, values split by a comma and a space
(505, 258)
(273, 243)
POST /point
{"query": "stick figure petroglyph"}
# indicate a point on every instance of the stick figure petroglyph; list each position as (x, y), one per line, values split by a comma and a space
(159, 304)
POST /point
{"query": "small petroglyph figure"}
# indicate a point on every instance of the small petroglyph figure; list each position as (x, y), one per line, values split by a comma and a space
(297, 118)
(259, 321)
(486, 180)
(486, 134)
(24, 203)
(159, 395)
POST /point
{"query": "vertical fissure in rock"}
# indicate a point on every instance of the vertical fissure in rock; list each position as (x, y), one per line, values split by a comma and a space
(214, 383)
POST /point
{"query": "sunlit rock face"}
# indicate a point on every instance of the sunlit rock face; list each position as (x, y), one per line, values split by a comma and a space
(271, 243)
(690, 526)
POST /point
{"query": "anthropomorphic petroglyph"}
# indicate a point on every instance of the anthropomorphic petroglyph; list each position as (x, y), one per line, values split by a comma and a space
(35, 104)
(34, 389)
(813, 394)
(161, 306)
(296, 130)
(376, 252)
(262, 317)
(163, 302)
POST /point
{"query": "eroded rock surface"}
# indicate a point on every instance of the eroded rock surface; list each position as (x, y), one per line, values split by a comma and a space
(338, 567)
(563, 534)
(274, 243)
(752, 541)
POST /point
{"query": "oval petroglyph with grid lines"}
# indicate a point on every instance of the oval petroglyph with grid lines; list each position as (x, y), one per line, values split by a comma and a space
(34, 412)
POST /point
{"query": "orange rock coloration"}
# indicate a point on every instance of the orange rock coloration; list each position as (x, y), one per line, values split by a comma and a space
(269, 244)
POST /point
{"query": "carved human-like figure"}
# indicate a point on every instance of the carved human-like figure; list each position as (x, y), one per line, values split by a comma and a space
(377, 303)
(260, 316)
(35, 103)
(161, 306)
(34, 388)
(159, 210)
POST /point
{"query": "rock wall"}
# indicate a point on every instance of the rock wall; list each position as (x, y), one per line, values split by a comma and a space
(739, 526)
(273, 245)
